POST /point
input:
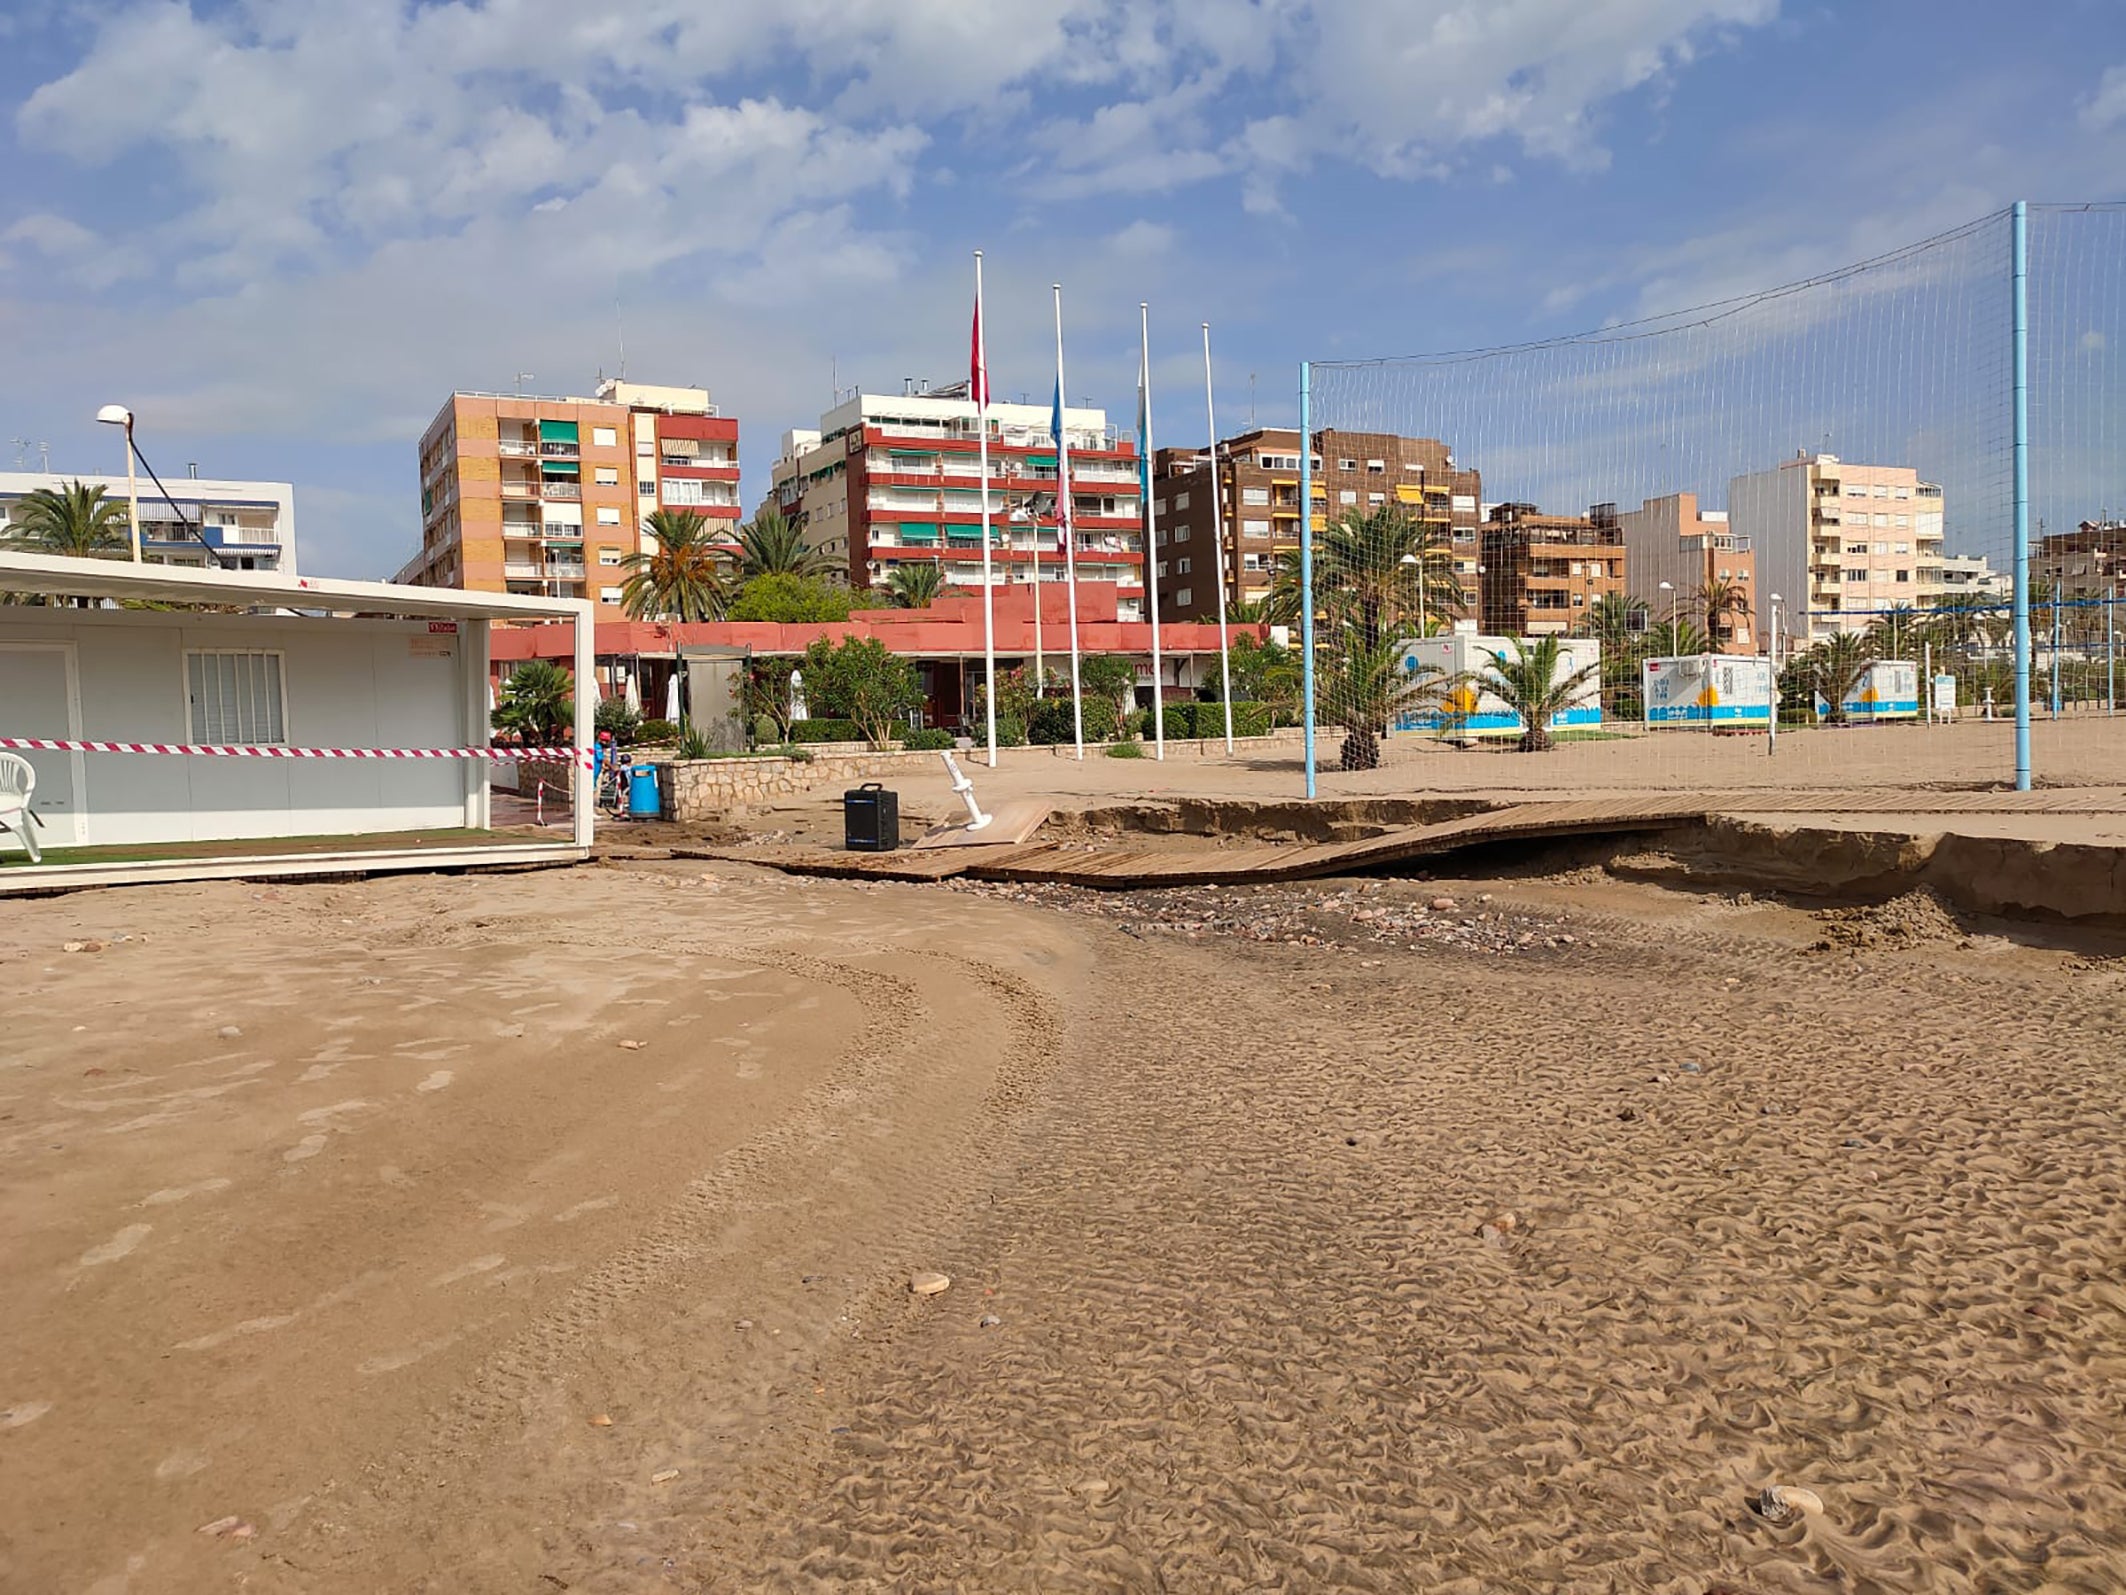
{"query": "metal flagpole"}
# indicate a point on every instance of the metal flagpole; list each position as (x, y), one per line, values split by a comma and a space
(1151, 523)
(1225, 653)
(2019, 272)
(1306, 561)
(989, 591)
(1064, 532)
(1040, 660)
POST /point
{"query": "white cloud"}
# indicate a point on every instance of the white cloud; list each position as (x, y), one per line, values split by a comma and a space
(2107, 106)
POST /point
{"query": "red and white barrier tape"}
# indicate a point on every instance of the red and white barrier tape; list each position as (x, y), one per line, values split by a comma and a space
(270, 751)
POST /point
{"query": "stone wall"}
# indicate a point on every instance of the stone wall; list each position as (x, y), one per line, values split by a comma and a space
(704, 788)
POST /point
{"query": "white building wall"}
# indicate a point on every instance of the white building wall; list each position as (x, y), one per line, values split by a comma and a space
(346, 683)
(1771, 509)
(263, 513)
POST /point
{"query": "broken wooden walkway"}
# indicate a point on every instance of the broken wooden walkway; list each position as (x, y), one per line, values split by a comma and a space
(1122, 865)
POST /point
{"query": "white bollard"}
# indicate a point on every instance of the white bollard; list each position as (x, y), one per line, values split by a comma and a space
(976, 819)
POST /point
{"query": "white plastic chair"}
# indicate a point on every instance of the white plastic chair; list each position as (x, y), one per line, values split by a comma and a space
(18, 779)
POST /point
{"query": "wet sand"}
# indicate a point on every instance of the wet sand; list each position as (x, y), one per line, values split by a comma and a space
(1791, 1203)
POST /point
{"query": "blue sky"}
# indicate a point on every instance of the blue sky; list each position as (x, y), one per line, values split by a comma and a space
(283, 232)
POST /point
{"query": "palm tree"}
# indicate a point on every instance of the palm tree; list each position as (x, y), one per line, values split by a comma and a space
(1720, 599)
(1366, 685)
(770, 546)
(1373, 570)
(1529, 684)
(538, 700)
(1835, 668)
(1894, 630)
(1674, 639)
(915, 586)
(1616, 621)
(682, 578)
(76, 520)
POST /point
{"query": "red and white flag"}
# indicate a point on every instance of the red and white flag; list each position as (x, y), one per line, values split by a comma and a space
(977, 366)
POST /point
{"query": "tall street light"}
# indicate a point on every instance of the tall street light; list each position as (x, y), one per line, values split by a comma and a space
(1771, 724)
(119, 415)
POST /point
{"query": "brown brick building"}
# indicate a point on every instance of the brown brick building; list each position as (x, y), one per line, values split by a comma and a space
(1236, 532)
(1542, 572)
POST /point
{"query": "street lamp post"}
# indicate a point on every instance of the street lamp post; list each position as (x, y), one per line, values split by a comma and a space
(119, 415)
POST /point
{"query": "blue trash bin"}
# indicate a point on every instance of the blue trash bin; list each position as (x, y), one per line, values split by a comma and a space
(642, 801)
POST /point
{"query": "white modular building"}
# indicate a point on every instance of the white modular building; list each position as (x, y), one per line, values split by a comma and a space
(328, 711)
(1708, 691)
(1463, 658)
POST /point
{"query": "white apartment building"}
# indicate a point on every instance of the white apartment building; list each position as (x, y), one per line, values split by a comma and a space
(1968, 577)
(895, 479)
(248, 525)
(1855, 539)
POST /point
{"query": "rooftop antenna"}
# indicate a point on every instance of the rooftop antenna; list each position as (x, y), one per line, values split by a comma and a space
(1251, 401)
(522, 378)
(620, 333)
(22, 455)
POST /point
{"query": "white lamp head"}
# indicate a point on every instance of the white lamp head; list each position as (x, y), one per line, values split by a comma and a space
(115, 415)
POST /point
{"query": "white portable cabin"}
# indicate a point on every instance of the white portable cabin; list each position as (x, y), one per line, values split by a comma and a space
(1708, 691)
(1474, 712)
(1887, 690)
(319, 676)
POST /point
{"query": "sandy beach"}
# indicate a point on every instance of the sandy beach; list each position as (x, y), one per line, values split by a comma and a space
(553, 1232)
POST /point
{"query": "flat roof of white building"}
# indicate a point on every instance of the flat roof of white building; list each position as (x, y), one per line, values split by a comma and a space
(58, 575)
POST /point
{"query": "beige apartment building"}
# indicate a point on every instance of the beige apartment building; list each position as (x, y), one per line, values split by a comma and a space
(524, 493)
(1840, 542)
(1670, 540)
(1236, 530)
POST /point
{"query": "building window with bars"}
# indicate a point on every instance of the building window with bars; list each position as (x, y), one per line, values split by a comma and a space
(236, 697)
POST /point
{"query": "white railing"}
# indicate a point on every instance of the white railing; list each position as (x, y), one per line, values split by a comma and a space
(520, 490)
(516, 449)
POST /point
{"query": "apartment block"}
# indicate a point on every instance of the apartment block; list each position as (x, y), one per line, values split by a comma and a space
(524, 493)
(1966, 578)
(2088, 562)
(1541, 573)
(894, 479)
(1233, 529)
(1838, 541)
(248, 525)
(1671, 540)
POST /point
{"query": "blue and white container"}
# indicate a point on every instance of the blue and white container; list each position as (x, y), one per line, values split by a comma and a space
(1474, 712)
(1719, 692)
(1887, 690)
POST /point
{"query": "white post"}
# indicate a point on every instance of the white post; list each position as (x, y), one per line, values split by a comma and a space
(1926, 681)
(132, 491)
(1065, 533)
(480, 777)
(2111, 656)
(1225, 661)
(1151, 525)
(964, 789)
(1771, 654)
(989, 608)
(586, 715)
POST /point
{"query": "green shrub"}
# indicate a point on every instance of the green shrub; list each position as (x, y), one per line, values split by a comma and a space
(1011, 731)
(824, 730)
(765, 731)
(693, 745)
(1125, 750)
(1249, 719)
(615, 716)
(1137, 723)
(1180, 721)
(656, 731)
(928, 739)
(1049, 723)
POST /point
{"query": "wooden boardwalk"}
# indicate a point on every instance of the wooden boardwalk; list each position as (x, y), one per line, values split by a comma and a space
(1125, 865)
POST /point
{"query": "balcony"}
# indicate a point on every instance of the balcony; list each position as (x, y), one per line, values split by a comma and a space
(522, 529)
(520, 489)
(516, 449)
(560, 451)
(519, 570)
(564, 491)
(559, 571)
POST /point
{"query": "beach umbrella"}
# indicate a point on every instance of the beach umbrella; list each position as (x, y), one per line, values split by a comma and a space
(634, 694)
(671, 696)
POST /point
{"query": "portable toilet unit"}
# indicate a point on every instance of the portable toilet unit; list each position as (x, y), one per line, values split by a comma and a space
(1720, 692)
(1887, 690)
(1475, 712)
